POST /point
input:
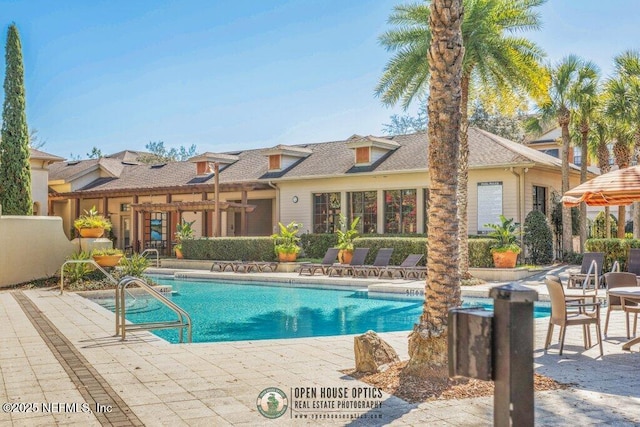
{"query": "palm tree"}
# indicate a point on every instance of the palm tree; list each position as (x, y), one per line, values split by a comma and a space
(586, 98)
(494, 60)
(623, 107)
(558, 104)
(428, 341)
(598, 147)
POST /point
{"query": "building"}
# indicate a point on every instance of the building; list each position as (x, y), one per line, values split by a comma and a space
(383, 180)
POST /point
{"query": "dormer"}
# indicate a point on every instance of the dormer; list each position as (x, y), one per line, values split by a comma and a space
(369, 149)
(282, 157)
(205, 162)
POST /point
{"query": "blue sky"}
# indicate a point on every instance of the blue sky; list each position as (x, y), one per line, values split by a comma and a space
(229, 75)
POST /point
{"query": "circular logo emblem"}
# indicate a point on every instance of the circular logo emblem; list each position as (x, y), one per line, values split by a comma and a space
(272, 402)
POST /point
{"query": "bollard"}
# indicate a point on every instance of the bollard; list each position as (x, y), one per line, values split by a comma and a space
(513, 355)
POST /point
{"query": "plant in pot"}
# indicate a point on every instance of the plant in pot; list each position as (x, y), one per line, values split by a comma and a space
(184, 231)
(505, 248)
(107, 257)
(346, 237)
(92, 224)
(286, 241)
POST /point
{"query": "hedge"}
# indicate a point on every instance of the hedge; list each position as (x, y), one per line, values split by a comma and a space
(230, 249)
(315, 246)
(614, 250)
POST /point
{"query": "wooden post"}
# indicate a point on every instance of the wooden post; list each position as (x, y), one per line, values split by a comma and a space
(134, 227)
(217, 224)
(243, 215)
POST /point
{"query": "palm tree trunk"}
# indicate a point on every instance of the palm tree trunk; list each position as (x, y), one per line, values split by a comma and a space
(428, 341)
(584, 133)
(567, 238)
(607, 222)
(463, 180)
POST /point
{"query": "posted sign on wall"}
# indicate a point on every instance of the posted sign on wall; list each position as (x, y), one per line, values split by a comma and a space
(489, 204)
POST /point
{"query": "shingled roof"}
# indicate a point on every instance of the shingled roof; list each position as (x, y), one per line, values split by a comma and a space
(326, 159)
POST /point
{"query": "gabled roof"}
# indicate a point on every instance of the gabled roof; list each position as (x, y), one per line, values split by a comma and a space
(324, 159)
(41, 155)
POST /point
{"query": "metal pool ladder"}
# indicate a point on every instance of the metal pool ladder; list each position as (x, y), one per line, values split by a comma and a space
(183, 321)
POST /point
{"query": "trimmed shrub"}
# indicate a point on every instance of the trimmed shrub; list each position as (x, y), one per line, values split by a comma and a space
(230, 249)
(614, 250)
(598, 229)
(480, 252)
(538, 238)
(316, 245)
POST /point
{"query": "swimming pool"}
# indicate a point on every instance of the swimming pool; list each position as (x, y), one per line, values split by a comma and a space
(232, 311)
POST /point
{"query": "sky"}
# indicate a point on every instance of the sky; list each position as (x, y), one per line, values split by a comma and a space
(231, 75)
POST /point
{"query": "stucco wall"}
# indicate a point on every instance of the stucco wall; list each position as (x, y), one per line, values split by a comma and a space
(32, 248)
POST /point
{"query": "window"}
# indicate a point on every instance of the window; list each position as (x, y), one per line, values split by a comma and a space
(552, 152)
(364, 204)
(326, 212)
(274, 161)
(577, 156)
(363, 155)
(540, 199)
(400, 211)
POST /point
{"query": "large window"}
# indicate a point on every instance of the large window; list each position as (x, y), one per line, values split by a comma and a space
(326, 212)
(540, 199)
(400, 211)
(364, 204)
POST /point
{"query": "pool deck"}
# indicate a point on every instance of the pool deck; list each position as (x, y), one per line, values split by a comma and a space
(58, 354)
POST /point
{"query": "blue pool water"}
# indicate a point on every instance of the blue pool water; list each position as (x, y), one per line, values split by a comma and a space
(229, 311)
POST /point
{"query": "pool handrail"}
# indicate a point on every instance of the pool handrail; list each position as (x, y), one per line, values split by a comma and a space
(184, 320)
(152, 250)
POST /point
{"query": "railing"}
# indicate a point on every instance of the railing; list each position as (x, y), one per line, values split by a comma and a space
(83, 261)
(183, 321)
(592, 272)
(152, 250)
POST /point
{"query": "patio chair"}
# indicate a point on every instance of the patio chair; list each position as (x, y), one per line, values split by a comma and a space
(382, 260)
(633, 262)
(311, 268)
(617, 280)
(409, 264)
(561, 316)
(359, 255)
(590, 272)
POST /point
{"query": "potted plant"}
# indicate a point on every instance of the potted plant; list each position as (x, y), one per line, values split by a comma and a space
(346, 236)
(107, 257)
(184, 231)
(505, 248)
(92, 224)
(286, 242)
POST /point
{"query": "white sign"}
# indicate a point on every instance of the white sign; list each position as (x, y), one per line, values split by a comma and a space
(489, 204)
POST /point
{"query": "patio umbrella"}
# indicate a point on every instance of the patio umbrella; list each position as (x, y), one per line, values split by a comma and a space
(618, 188)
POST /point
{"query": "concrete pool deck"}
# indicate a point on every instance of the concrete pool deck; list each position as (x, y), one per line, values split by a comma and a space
(58, 354)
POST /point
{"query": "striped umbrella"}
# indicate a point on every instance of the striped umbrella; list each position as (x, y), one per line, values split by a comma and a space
(618, 188)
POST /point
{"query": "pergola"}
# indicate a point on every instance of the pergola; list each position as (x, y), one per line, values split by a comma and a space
(195, 206)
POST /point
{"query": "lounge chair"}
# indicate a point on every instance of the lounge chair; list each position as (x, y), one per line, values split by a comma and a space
(407, 267)
(562, 317)
(382, 260)
(617, 280)
(590, 271)
(633, 262)
(359, 255)
(311, 268)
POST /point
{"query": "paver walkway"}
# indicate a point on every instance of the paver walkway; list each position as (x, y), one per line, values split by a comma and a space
(60, 350)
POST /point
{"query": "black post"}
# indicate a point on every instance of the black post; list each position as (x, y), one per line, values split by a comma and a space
(513, 355)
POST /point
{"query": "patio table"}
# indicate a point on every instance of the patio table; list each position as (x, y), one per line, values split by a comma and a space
(631, 293)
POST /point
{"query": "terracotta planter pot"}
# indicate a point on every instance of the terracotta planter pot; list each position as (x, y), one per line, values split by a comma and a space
(107, 260)
(344, 256)
(178, 253)
(283, 257)
(91, 232)
(505, 259)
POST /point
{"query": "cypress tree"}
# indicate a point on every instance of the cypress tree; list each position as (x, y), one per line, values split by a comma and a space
(15, 170)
